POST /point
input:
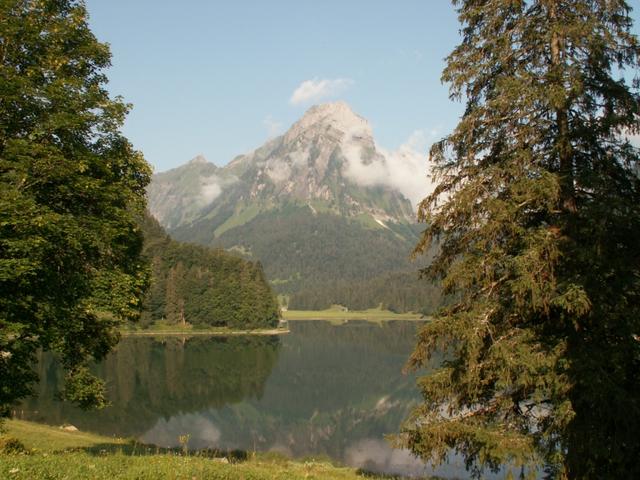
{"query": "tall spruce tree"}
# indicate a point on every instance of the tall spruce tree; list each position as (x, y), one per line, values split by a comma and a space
(537, 218)
(71, 189)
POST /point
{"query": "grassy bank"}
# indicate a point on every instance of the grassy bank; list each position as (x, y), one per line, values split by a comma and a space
(53, 453)
(339, 315)
(163, 328)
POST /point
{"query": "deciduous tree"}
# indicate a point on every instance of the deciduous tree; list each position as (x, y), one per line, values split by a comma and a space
(71, 188)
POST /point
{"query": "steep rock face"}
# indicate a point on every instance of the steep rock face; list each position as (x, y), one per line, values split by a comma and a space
(300, 204)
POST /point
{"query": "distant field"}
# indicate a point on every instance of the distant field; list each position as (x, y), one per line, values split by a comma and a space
(53, 453)
(338, 315)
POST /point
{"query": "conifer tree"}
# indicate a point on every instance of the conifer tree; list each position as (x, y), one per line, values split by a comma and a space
(537, 218)
(174, 301)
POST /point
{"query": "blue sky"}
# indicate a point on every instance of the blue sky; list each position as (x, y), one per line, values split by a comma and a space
(217, 77)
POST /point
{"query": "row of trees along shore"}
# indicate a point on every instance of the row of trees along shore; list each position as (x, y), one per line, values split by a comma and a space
(204, 286)
(394, 291)
(536, 216)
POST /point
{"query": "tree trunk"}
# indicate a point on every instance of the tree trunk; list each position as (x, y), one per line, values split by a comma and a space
(563, 143)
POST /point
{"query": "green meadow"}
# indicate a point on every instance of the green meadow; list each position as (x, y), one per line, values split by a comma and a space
(33, 451)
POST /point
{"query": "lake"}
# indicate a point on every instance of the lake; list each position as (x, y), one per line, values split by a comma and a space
(321, 391)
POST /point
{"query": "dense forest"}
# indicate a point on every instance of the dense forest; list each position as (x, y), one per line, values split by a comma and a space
(300, 249)
(395, 291)
(322, 259)
(203, 286)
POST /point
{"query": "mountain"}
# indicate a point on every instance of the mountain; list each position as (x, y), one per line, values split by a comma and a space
(312, 205)
(176, 197)
(203, 285)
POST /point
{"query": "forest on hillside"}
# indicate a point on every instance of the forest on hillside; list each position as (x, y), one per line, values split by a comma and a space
(320, 259)
(203, 286)
(395, 291)
(302, 250)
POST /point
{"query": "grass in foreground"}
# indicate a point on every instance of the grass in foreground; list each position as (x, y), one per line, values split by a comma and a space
(55, 454)
(338, 315)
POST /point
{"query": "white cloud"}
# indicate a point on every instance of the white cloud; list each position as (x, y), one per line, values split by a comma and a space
(211, 187)
(210, 190)
(317, 89)
(278, 170)
(274, 127)
(405, 169)
(299, 157)
(375, 454)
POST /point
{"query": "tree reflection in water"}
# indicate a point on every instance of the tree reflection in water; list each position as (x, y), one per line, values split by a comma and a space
(322, 391)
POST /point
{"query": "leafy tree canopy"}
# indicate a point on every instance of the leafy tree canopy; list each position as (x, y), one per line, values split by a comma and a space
(71, 188)
(537, 219)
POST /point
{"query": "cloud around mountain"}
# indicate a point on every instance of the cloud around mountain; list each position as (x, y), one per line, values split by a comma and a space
(273, 126)
(328, 156)
(405, 169)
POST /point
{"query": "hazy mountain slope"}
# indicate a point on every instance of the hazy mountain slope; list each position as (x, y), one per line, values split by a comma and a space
(300, 248)
(316, 162)
(177, 196)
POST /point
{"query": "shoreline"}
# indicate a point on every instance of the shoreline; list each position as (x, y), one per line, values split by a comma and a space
(335, 317)
(372, 316)
(212, 333)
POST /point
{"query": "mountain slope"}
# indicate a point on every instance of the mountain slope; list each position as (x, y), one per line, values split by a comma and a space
(176, 197)
(311, 205)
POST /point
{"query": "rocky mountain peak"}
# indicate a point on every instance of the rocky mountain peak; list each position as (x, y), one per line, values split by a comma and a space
(323, 161)
(201, 159)
(334, 118)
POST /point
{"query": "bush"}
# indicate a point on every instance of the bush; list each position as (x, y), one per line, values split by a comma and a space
(11, 446)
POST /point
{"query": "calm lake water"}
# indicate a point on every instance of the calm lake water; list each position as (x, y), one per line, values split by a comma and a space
(320, 391)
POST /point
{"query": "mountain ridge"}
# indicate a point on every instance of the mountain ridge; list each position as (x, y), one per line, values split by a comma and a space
(304, 204)
(310, 163)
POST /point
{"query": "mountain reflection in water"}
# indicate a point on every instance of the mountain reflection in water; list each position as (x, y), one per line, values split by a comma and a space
(320, 391)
